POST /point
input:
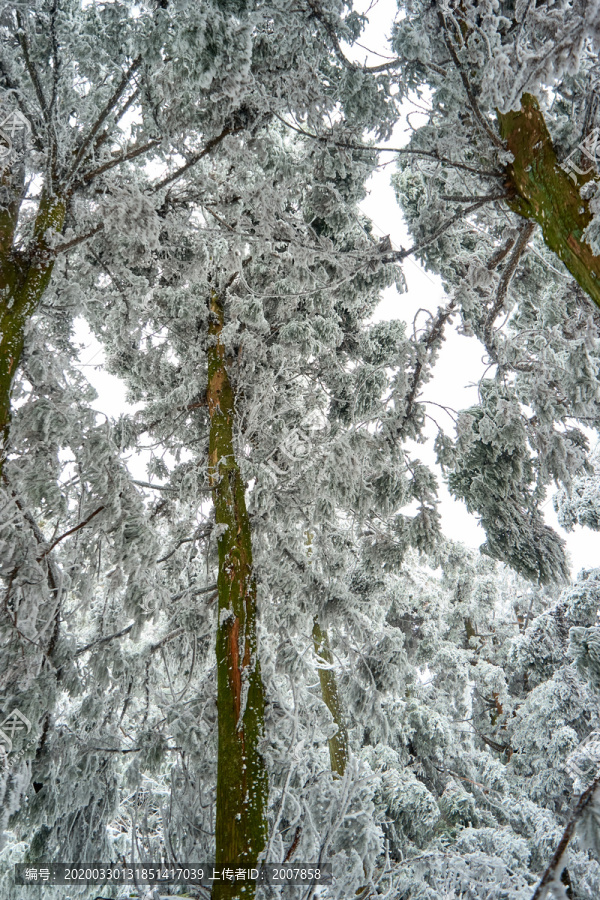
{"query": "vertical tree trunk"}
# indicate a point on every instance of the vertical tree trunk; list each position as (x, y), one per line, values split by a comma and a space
(242, 785)
(24, 277)
(338, 744)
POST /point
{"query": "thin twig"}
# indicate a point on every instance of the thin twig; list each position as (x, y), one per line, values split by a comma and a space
(70, 532)
(399, 255)
(157, 487)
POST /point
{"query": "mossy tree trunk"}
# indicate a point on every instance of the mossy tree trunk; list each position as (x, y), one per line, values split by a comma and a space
(24, 277)
(543, 192)
(338, 744)
(240, 831)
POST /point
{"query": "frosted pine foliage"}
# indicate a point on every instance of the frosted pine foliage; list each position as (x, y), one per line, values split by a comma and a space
(226, 148)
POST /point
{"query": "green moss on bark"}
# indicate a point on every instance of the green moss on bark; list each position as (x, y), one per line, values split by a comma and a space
(240, 830)
(543, 192)
(23, 280)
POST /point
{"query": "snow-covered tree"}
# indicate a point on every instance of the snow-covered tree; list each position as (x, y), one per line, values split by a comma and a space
(264, 648)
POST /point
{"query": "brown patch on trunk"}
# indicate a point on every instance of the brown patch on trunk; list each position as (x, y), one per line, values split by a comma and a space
(235, 677)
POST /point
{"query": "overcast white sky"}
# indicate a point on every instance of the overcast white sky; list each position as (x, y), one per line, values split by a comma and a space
(459, 367)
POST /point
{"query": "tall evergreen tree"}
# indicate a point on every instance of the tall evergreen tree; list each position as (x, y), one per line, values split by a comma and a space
(263, 647)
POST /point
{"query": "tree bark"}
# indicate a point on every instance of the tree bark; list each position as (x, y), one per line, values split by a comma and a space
(544, 193)
(338, 744)
(24, 277)
(242, 786)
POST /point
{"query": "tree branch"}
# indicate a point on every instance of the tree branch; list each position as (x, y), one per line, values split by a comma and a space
(552, 868)
(434, 334)
(494, 138)
(408, 151)
(500, 254)
(318, 13)
(70, 532)
(210, 145)
(68, 245)
(55, 57)
(198, 535)
(104, 640)
(31, 69)
(526, 231)
(112, 102)
(118, 116)
(135, 151)
(399, 255)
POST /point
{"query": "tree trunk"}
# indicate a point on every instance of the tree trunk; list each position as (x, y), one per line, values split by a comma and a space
(546, 194)
(24, 278)
(338, 744)
(240, 831)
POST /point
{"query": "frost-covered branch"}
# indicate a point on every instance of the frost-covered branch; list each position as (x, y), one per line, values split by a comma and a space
(557, 863)
(399, 255)
(511, 267)
(71, 531)
(132, 153)
(196, 157)
(406, 151)
(485, 126)
(30, 66)
(429, 341)
(104, 640)
(104, 114)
